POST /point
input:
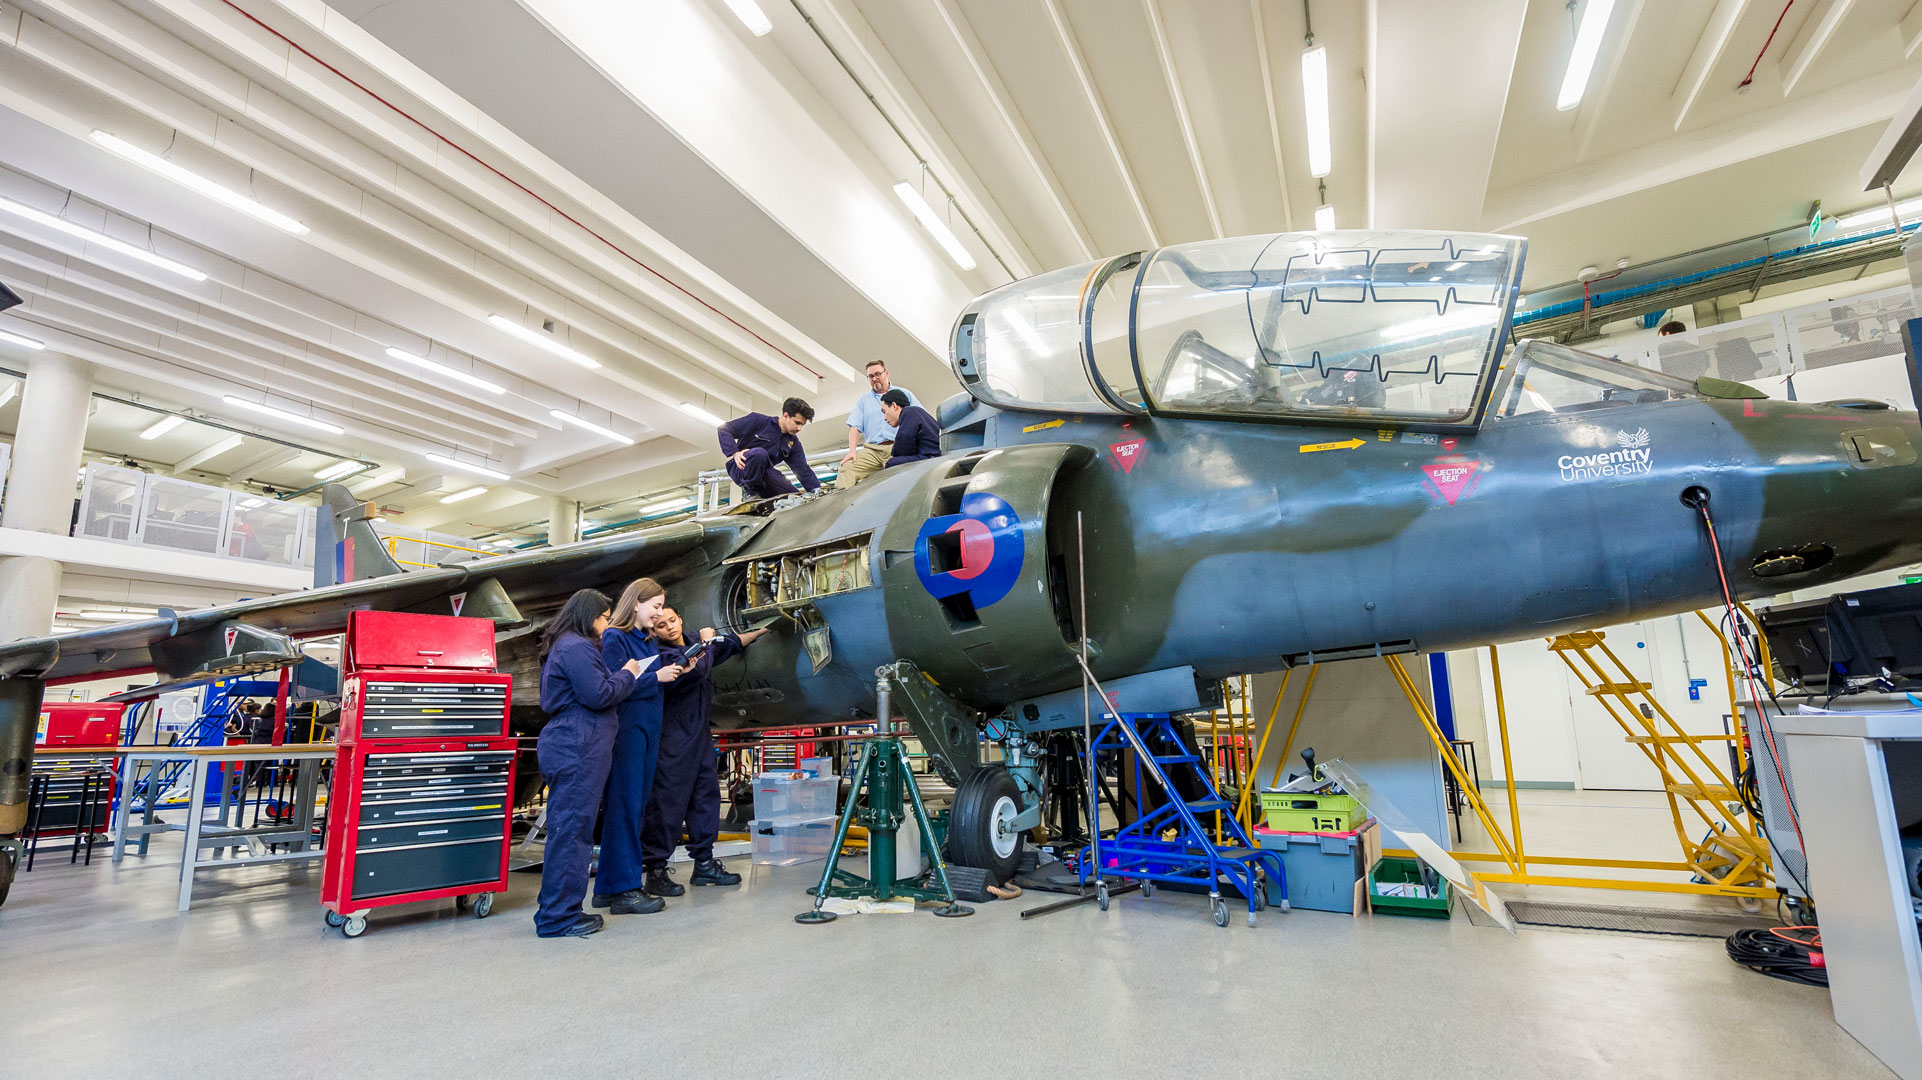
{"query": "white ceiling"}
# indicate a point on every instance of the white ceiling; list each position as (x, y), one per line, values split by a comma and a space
(708, 213)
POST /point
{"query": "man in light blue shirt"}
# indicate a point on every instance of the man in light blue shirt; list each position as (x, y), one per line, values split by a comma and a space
(870, 436)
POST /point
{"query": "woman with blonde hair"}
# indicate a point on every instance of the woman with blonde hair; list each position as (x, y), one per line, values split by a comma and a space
(637, 741)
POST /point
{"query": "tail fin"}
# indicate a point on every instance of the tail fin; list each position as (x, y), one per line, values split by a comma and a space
(346, 548)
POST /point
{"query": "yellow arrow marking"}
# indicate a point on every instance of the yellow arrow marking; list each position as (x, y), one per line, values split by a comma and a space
(1316, 448)
(1042, 427)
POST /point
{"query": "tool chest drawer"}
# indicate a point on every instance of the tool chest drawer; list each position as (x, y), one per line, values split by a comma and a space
(417, 707)
(443, 831)
(424, 869)
(463, 804)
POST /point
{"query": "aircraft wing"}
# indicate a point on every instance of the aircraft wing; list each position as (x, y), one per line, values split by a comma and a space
(179, 644)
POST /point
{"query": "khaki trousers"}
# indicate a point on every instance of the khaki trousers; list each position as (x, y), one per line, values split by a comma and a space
(870, 459)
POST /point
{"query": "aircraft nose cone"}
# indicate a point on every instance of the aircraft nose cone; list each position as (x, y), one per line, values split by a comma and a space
(1841, 495)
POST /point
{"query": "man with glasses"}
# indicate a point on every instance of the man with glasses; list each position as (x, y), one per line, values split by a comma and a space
(870, 436)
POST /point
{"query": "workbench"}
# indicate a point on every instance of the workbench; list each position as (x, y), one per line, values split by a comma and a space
(224, 831)
(1858, 777)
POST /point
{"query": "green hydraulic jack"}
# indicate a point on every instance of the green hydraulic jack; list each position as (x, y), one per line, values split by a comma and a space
(883, 773)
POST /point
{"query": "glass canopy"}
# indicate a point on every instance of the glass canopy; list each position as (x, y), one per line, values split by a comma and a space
(1368, 327)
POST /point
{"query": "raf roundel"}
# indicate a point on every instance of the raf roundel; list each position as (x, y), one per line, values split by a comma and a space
(977, 551)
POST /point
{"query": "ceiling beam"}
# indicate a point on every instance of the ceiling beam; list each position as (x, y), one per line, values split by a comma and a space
(1274, 120)
(1815, 36)
(1595, 100)
(1910, 28)
(205, 454)
(991, 84)
(273, 458)
(1173, 80)
(1064, 34)
(1706, 54)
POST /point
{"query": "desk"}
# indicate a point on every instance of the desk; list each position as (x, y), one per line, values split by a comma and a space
(218, 835)
(1852, 771)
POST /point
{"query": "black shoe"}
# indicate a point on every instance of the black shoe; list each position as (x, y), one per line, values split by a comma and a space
(635, 902)
(661, 883)
(583, 926)
(602, 899)
(711, 872)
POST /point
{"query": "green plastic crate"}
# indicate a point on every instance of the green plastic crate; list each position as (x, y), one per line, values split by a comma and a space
(1392, 871)
(1291, 812)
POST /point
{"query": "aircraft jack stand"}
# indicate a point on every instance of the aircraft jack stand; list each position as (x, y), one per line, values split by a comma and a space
(883, 772)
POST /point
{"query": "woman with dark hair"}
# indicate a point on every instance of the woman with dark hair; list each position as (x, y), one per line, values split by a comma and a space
(618, 884)
(579, 694)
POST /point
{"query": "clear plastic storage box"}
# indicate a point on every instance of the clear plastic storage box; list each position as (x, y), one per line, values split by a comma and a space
(784, 798)
(788, 843)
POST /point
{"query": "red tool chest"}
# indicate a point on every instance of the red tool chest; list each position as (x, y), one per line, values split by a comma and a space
(421, 804)
(69, 726)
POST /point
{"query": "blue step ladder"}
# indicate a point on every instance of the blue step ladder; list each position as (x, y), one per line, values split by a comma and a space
(1169, 843)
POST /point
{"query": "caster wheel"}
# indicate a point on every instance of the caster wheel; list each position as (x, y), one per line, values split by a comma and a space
(483, 905)
(1750, 904)
(1221, 911)
(335, 919)
(1147, 888)
(461, 904)
(355, 926)
(1101, 896)
(1261, 897)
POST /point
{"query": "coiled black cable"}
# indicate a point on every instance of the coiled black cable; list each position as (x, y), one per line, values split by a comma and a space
(1779, 954)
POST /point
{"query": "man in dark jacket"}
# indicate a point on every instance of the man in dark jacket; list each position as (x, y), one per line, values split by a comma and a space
(917, 435)
(754, 444)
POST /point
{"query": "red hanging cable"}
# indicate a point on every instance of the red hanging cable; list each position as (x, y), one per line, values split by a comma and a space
(404, 114)
(1750, 77)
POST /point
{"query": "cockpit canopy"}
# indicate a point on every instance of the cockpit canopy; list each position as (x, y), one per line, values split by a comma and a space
(1366, 327)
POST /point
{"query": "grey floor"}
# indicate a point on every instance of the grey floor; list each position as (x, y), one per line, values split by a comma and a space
(104, 975)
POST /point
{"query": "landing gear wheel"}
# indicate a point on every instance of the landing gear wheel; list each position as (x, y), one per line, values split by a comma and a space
(981, 829)
(1221, 912)
(9, 860)
(355, 926)
(1101, 895)
(1147, 888)
(335, 919)
(483, 905)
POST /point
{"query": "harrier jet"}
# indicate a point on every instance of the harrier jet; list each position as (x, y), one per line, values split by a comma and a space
(1207, 459)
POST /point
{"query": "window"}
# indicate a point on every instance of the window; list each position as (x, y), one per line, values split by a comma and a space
(1550, 378)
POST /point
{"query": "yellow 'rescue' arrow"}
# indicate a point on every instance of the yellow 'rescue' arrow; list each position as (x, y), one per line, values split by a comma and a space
(1316, 448)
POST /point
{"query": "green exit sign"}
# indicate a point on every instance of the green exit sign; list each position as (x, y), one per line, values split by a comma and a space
(1815, 218)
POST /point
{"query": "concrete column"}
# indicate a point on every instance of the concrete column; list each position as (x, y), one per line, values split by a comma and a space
(46, 454)
(563, 521)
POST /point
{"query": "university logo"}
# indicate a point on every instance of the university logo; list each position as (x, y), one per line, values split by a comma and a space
(977, 551)
(1635, 456)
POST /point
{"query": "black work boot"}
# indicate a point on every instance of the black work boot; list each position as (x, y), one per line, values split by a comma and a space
(636, 902)
(711, 872)
(660, 882)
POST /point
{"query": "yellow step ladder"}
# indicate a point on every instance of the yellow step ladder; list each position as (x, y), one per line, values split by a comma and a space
(1732, 853)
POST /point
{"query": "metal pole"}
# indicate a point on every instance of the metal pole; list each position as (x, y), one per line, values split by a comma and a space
(1508, 762)
(1307, 687)
(1087, 718)
(1243, 811)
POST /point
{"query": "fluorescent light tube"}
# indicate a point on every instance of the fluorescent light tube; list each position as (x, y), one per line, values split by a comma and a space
(751, 16)
(337, 470)
(445, 372)
(480, 470)
(291, 418)
(95, 236)
(12, 391)
(1324, 218)
(701, 414)
(1314, 96)
(570, 418)
(1588, 43)
(1878, 216)
(162, 426)
(379, 479)
(225, 196)
(24, 342)
(545, 340)
(925, 214)
(468, 494)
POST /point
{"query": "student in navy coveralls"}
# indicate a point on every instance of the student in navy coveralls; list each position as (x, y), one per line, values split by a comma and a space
(617, 884)
(917, 434)
(686, 791)
(754, 444)
(579, 694)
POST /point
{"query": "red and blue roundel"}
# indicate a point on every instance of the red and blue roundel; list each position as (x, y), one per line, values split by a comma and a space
(977, 551)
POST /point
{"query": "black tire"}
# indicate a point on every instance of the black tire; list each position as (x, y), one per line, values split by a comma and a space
(7, 866)
(971, 825)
